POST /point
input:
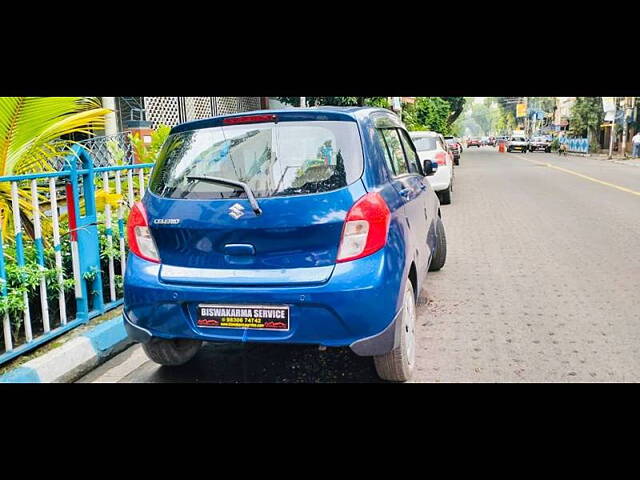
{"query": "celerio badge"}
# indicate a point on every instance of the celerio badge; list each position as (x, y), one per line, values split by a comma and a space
(236, 211)
(166, 221)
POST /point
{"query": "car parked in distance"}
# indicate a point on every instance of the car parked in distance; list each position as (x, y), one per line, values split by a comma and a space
(473, 142)
(455, 147)
(432, 146)
(295, 226)
(538, 144)
(518, 144)
(489, 141)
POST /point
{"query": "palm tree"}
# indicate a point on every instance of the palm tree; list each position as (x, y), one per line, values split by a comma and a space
(30, 138)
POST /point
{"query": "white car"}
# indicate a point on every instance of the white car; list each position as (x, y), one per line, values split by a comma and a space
(432, 146)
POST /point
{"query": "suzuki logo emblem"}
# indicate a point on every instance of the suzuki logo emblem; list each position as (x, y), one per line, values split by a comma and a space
(236, 211)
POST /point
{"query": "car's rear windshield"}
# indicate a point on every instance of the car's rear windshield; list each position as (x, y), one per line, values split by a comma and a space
(518, 139)
(451, 140)
(287, 158)
(424, 143)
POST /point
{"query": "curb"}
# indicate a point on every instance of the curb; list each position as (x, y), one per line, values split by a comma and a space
(74, 358)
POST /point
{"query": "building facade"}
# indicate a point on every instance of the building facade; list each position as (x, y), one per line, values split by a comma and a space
(563, 112)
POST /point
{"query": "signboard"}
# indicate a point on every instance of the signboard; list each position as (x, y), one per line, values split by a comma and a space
(521, 110)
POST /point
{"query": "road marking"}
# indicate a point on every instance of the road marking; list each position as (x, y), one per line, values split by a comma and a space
(586, 177)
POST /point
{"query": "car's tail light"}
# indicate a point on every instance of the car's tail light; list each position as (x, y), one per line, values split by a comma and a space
(141, 241)
(365, 228)
(441, 158)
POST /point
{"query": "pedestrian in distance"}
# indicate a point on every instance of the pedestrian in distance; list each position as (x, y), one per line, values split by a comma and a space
(636, 145)
(562, 150)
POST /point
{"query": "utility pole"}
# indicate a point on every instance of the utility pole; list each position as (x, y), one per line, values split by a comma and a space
(303, 102)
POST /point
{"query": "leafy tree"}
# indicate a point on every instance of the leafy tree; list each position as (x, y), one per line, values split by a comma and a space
(428, 113)
(30, 138)
(586, 117)
(335, 101)
(456, 105)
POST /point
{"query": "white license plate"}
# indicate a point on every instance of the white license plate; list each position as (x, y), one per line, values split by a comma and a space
(255, 317)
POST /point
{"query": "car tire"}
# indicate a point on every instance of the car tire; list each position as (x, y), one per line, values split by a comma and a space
(456, 162)
(440, 255)
(171, 352)
(445, 196)
(398, 364)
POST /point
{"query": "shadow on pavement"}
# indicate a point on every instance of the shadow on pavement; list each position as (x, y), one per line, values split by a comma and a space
(255, 363)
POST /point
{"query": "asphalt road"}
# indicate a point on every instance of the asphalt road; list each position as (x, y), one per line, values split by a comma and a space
(541, 284)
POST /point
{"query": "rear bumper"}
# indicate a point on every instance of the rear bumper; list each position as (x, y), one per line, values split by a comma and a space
(358, 306)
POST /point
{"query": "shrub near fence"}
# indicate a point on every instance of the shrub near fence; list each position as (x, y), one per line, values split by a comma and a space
(62, 263)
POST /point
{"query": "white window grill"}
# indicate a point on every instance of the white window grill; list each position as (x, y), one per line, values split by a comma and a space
(174, 110)
(226, 105)
(246, 104)
(197, 108)
(162, 111)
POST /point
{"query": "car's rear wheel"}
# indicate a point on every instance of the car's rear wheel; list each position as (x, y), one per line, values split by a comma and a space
(171, 352)
(456, 161)
(440, 255)
(397, 365)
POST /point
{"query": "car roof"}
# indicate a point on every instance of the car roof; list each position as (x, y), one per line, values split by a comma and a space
(328, 113)
(422, 134)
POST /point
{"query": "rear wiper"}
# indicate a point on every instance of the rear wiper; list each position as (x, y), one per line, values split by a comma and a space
(231, 183)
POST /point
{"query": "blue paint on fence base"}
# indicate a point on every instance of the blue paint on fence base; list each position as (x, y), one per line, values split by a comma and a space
(104, 339)
(107, 335)
(21, 375)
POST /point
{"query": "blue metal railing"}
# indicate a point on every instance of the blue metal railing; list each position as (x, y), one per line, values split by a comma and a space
(577, 145)
(79, 195)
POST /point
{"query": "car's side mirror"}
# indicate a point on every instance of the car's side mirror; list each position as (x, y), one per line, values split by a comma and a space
(429, 168)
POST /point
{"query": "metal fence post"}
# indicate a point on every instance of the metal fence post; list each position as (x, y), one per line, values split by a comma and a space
(86, 234)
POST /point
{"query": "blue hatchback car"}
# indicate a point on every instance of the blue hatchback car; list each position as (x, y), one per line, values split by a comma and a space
(309, 226)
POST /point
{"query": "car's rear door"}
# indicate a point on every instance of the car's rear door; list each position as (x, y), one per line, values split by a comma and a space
(408, 181)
